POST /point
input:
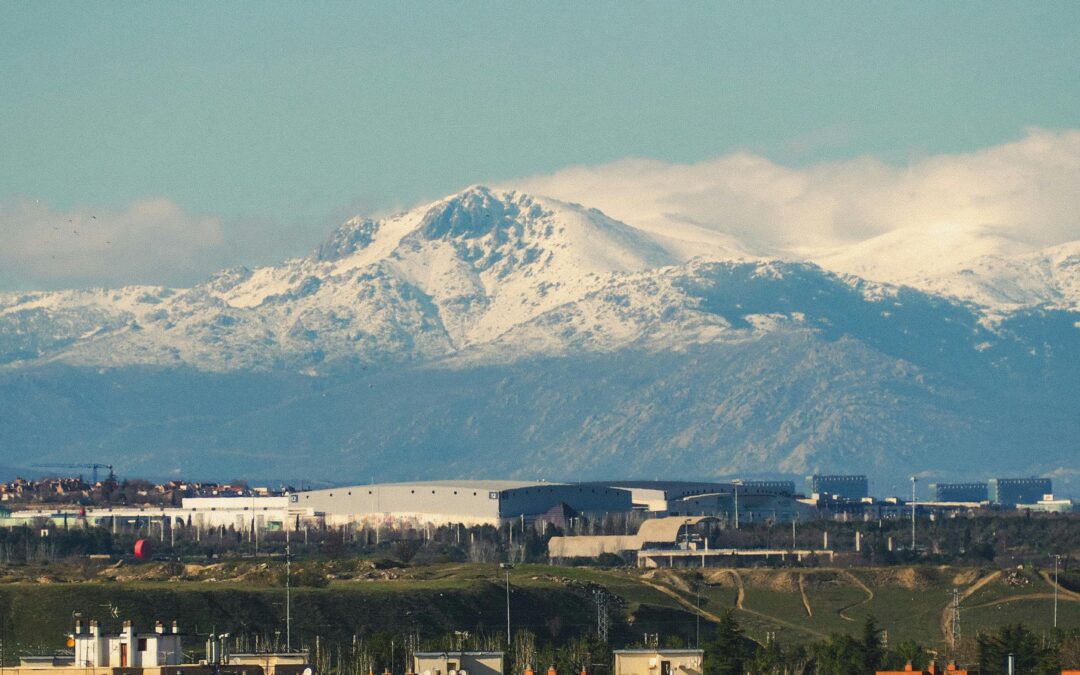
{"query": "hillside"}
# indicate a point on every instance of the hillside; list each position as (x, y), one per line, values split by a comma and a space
(797, 605)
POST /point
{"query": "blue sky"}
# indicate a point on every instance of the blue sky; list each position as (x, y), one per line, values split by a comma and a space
(275, 120)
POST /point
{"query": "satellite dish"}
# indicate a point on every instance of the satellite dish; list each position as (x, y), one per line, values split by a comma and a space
(142, 549)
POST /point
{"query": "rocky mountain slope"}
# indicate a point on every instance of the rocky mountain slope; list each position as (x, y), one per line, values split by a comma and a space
(499, 334)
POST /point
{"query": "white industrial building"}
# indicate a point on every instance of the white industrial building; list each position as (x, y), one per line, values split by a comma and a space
(469, 502)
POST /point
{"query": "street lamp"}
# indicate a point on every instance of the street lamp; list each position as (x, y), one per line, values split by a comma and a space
(507, 567)
(913, 479)
(1056, 559)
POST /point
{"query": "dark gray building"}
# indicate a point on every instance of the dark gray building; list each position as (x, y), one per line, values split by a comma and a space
(959, 492)
(781, 487)
(1013, 491)
(840, 486)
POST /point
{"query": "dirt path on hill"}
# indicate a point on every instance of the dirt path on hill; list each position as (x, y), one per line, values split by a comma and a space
(1062, 591)
(802, 592)
(741, 596)
(945, 623)
(866, 589)
(674, 595)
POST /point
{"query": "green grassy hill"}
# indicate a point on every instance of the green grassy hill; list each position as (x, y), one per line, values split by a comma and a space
(557, 603)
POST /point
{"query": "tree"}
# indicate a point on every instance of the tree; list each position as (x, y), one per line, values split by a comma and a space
(727, 652)
(907, 651)
(871, 652)
(1030, 653)
(837, 655)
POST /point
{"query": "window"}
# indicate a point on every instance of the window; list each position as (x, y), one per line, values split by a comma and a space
(142, 644)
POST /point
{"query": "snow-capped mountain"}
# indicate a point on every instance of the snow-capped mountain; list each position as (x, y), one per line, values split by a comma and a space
(968, 263)
(423, 284)
(505, 333)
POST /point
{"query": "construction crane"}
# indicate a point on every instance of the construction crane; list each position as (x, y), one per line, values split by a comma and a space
(94, 467)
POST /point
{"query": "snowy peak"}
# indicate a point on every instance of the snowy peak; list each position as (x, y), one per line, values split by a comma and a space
(970, 263)
(354, 235)
(477, 212)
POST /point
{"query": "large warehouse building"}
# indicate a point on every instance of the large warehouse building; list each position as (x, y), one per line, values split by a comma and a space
(469, 502)
(753, 500)
(1012, 491)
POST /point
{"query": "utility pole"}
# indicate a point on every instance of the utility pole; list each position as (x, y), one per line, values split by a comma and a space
(507, 567)
(913, 479)
(697, 616)
(1056, 559)
(736, 506)
(955, 620)
(601, 614)
(288, 594)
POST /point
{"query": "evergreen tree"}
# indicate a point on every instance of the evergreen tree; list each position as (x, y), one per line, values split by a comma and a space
(1030, 654)
(871, 651)
(726, 653)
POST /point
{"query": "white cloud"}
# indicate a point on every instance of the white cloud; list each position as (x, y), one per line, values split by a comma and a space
(151, 241)
(1027, 191)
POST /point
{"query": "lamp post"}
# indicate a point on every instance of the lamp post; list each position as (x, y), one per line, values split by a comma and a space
(288, 594)
(913, 479)
(507, 567)
(1056, 559)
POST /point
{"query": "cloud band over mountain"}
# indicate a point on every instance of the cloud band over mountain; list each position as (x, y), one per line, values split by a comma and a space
(1024, 191)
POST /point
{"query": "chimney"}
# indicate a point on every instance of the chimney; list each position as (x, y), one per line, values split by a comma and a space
(175, 627)
(158, 628)
(94, 630)
(78, 626)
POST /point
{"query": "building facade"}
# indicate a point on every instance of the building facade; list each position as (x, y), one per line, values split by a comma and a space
(1012, 491)
(469, 502)
(959, 492)
(659, 661)
(458, 663)
(842, 486)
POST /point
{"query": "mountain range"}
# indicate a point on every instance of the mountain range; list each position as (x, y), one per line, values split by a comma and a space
(498, 334)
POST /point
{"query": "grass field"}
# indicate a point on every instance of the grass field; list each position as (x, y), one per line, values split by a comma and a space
(555, 602)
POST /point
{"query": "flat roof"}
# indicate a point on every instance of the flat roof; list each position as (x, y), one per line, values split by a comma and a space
(490, 485)
(658, 651)
(655, 484)
(455, 653)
